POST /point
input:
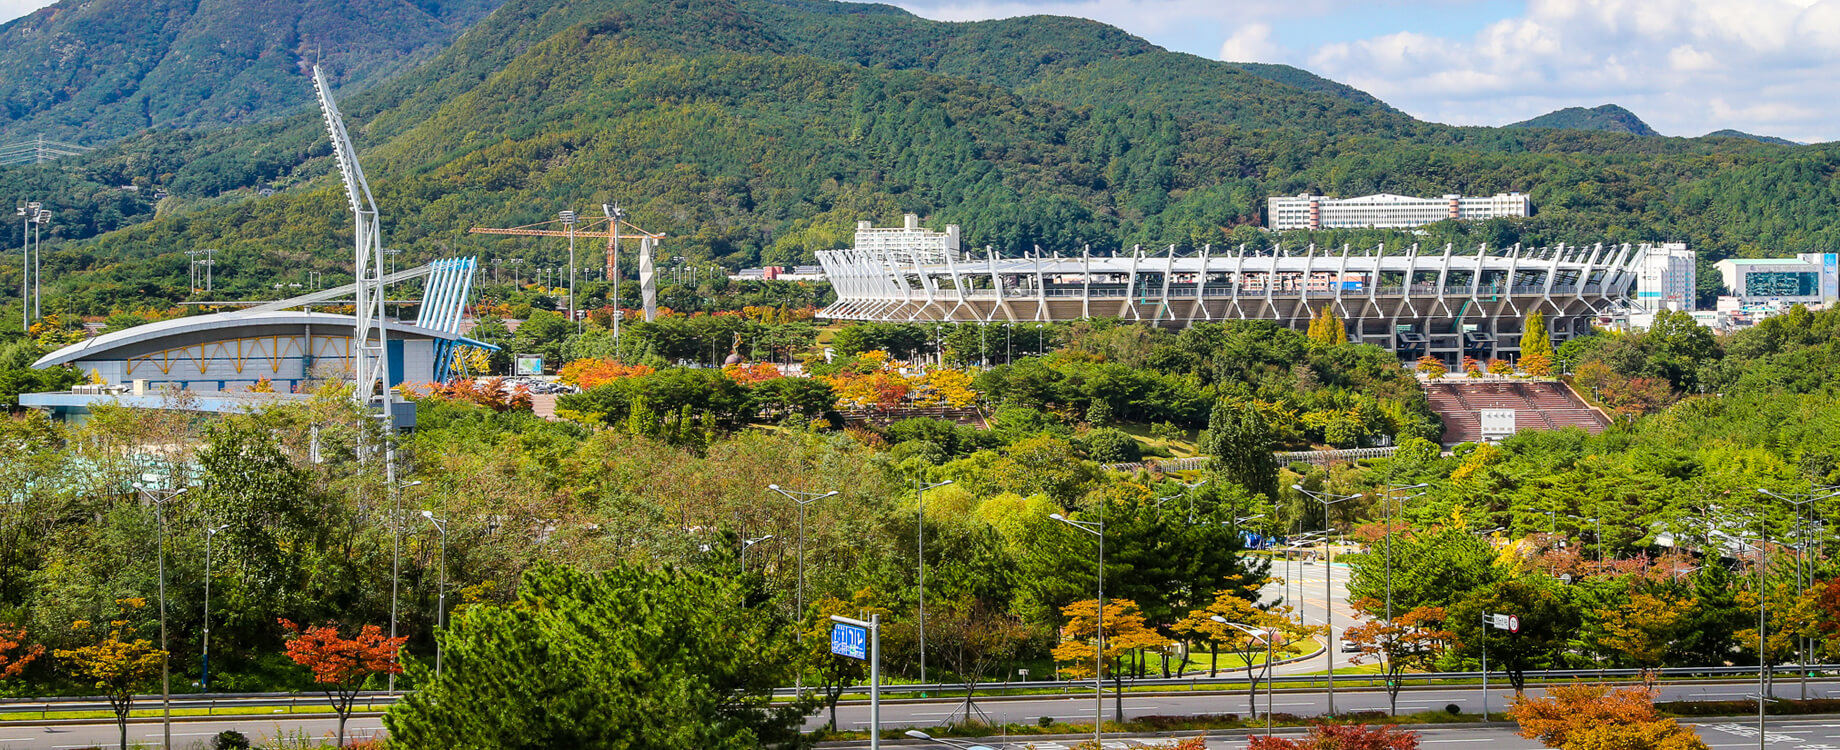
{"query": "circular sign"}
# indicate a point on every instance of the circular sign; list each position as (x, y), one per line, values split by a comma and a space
(1514, 623)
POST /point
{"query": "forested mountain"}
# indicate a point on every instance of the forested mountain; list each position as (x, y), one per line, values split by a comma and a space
(1608, 118)
(88, 71)
(758, 131)
(1729, 133)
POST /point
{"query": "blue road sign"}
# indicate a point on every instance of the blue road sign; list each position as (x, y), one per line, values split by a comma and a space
(851, 641)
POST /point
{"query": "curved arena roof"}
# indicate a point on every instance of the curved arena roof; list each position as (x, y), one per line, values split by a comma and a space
(169, 334)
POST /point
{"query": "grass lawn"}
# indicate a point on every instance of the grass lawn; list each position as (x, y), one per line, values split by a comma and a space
(1183, 447)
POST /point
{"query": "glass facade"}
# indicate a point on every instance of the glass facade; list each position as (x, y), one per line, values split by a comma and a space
(1782, 284)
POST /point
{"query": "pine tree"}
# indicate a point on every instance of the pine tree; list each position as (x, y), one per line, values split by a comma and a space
(1239, 442)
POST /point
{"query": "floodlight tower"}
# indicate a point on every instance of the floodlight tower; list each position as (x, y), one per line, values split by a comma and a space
(371, 370)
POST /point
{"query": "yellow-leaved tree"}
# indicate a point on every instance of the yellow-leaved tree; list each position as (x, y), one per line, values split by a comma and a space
(1536, 345)
(1280, 621)
(1125, 633)
(119, 666)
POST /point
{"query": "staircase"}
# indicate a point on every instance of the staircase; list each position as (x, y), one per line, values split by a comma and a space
(1537, 405)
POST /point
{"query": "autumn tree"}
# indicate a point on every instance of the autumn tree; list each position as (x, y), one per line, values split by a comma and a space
(836, 673)
(1229, 605)
(1595, 717)
(1536, 345)
(340, 665)
(119, 666)
(1413, 641)
(1341, 737)
(14, 653)
(972, 637)
(1642, 632)
(1125, 632)
(1432, 367)
(1327, 329)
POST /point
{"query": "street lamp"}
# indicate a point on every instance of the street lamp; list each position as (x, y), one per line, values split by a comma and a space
(920, 488)
(1599, 521)
(746, 543)
(440, 615)
(614, 215)
(1268, 635)
(396, 559)
(919, 735)
(159, 499)
(802, 499)
(1327, 499)
(1394, 497)
(1803, 499)
(1096, 529)
(568, 221)
(204, 670)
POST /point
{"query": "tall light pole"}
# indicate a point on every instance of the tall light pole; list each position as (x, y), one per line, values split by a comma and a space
(1097, 529)
(1327, 499)
(1395, 495)
(802, 499)
(568, 221)
(920, 488)
(38, 260)
(395, 556)
(440, 615)
(159, 498)
(1268, 635)
(26, 214)
(204, 661)
(1798, 502)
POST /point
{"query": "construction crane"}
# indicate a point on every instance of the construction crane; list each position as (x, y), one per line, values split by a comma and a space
(603, 227)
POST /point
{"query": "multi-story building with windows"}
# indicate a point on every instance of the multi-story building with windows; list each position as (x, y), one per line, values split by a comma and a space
(1808, 278)
(1669, 279)
(1387, 211)
(908, 243)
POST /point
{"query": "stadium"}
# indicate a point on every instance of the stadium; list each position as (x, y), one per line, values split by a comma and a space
(1445, 303)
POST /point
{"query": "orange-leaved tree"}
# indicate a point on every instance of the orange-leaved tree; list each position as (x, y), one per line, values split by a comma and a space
(1125, 632)
(1278, 619)
(1595, 717)
(1413, 641)
(14, 653)
(588, 373)
(339, 664)
(1644, 631)
(1342, 737)
(120, 665)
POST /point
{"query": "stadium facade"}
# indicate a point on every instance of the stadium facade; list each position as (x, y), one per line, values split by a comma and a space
(1446, 302)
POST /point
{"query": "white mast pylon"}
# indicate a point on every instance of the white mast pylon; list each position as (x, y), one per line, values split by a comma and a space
(371, 368)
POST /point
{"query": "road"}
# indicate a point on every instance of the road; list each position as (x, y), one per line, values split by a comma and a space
(1785, 734)
(1077, 708)
(188, 734)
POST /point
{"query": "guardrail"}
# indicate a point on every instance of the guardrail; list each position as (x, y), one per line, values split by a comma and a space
(371, 700)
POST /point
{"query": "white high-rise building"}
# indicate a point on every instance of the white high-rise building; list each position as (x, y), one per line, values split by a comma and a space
(1668, 279)
(1387, 211)
(907, 244)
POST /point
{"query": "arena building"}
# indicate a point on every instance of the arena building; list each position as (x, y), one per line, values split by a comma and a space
(1445, 302)
(217, 360)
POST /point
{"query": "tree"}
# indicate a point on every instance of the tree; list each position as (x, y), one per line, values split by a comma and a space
(628, 657)
(340, 665)
(1432, 367)
(1536, 345)
(1546, 624)
(1593, 717)
(1413, 641)
(120, 666)
(1341, 737)
(1231, 606)
(972, 637)
(1125, 632)
(1327, 329)
(836, 673)
(1239, 445)
(1643, 631)
(14, 654)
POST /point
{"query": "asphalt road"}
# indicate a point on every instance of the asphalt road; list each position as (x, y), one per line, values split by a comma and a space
(188, 734)
(1784, 734)
(1075, 708)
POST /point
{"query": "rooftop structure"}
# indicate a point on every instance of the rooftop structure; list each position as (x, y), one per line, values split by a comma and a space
(1388, 211)
(1443, 302)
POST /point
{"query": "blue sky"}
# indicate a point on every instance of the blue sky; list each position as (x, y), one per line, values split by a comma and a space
(1686, 67)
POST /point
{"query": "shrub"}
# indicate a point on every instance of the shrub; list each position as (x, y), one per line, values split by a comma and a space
(1112, 446)
(229, 739)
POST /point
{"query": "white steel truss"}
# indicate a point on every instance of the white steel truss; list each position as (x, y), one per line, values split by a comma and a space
(371, 376)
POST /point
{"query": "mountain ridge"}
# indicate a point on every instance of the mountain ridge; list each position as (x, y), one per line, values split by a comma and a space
(1608, 118)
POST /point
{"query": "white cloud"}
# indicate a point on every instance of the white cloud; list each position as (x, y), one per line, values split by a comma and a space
(1252, 43)
(1686, 66)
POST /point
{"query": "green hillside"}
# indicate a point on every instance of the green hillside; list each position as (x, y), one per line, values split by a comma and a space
(722, 125)
(1608, 118)
(88, 71)
(1729, 133)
